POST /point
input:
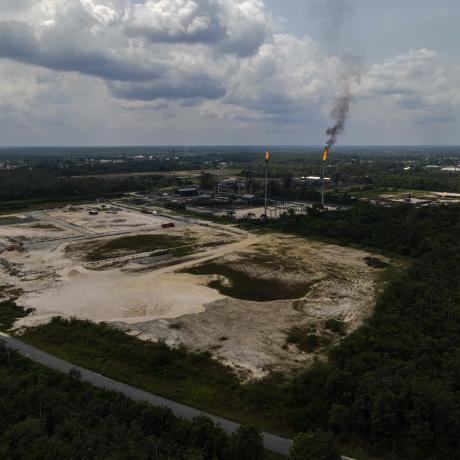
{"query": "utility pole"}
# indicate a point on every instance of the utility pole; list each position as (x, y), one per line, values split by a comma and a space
(267, 158)
(322, 187)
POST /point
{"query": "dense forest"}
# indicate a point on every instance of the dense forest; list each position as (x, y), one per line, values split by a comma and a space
(22, 186)
(395, 382)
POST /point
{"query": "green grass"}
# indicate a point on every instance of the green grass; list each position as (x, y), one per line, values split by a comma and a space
(190, 378)
(138, 244)
(15, 220)
(44, 226)
(305, 339)
(9, 313)
(336, 326)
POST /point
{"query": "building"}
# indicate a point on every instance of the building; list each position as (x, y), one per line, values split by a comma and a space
(310, 180)
(231, 186)
(452, 169)
(187, 192)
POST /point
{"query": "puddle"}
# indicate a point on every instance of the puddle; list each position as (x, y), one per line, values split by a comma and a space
(239, 285)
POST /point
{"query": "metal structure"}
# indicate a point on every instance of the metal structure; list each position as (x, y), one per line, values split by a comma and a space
(325, 155)
(276, 208)
(267, 158)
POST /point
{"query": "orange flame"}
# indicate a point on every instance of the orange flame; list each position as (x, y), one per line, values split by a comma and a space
(325, 153)
(267, 155)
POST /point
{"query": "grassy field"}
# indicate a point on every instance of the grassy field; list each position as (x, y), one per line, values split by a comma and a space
(190, 378)
(9, 313)
(189, 174)
(138, 244)
(378, 191)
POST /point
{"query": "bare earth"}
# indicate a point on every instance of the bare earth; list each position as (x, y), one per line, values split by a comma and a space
(154, 300)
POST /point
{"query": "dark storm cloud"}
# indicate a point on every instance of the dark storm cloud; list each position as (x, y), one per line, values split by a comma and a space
(18, 42)
(148, 45)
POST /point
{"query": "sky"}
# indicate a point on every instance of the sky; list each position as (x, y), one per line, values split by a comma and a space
(195, 72)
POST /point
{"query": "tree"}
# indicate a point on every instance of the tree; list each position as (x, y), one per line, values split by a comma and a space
(247, 444)
(314, 446)
(193, 454)
(288, 179)
(207, 181)
(207, 437)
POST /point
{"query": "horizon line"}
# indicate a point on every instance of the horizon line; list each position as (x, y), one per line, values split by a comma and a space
(56, 146)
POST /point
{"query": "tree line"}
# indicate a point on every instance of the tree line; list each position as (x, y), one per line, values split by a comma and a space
(394, 384)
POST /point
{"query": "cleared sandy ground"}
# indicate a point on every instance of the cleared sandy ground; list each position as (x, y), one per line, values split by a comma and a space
(114, 295)
(250, 336)
(57, 280)
(105, 221)
(155, 300)
(27, 229)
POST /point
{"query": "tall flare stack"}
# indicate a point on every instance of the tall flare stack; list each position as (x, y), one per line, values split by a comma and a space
(267, 159)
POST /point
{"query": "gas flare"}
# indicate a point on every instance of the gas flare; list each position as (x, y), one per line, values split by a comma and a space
(325, 153)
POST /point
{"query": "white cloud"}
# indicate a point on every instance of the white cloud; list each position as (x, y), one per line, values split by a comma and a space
(417, 83)
(215, 59)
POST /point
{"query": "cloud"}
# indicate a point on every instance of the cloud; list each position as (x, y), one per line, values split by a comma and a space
(214, 60)
(7, 6)
(151, 44)
(194, 88)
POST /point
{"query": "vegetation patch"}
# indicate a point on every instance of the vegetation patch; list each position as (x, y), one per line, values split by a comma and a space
(138, 244)
(10, 312)
(305, 340)
(16, 220)
(42, 226)
(375, 262)
(336, 326)
(194, 379)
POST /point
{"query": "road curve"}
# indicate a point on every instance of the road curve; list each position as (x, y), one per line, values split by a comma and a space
(271, 442)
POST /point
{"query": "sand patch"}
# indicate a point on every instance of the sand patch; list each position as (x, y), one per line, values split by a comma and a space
(114, 295)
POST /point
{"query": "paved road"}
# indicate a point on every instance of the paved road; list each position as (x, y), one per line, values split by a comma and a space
(271, 442)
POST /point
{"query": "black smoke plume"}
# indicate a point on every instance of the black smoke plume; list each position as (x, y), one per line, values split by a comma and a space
(350, 75)
(339, 114)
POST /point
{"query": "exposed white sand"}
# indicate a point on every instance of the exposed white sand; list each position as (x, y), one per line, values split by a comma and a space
(106, 222)
(113, 295)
